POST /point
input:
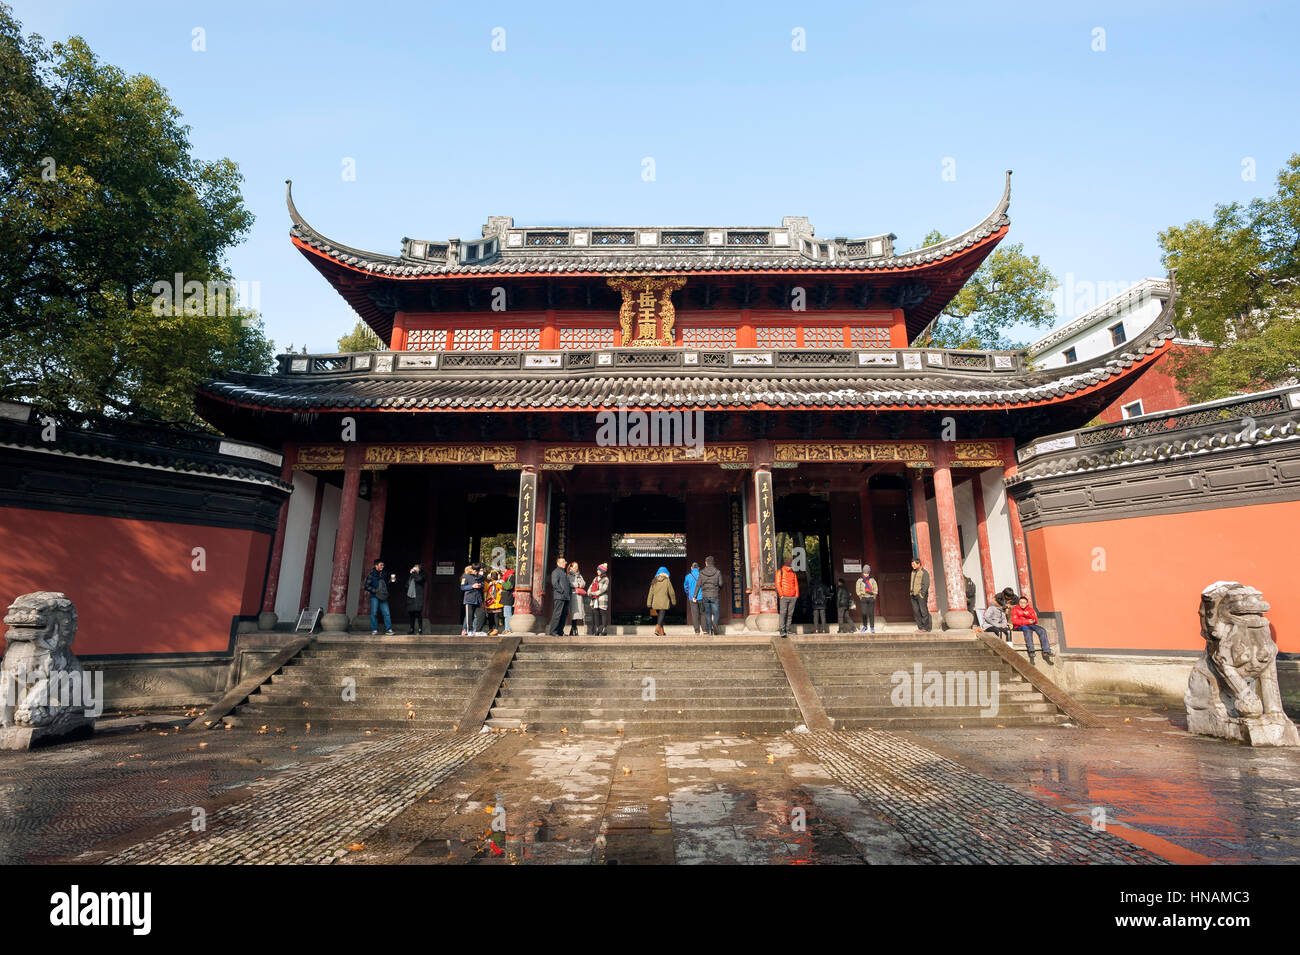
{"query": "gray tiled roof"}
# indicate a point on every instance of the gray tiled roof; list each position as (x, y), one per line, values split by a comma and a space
(494, 254)
(578, 389)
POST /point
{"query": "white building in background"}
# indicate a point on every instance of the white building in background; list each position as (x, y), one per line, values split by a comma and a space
(1104, 327)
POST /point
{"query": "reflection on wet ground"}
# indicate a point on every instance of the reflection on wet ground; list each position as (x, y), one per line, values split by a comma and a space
(1190, 798)
(1137, 790)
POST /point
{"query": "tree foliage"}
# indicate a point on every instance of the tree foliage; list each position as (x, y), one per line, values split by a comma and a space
(361, 338)
(99, 200)
(1238, 279)
(1009, 289)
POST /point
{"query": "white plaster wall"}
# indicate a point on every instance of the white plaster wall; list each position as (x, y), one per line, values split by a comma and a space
(1095, 340)
(1000, 546)
(296, 528)
(329, 527)
(936, 555)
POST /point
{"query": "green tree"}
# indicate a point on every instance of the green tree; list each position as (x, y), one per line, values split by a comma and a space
(100, 200)
(1009, 289)
(1238, 279)
(361, 338)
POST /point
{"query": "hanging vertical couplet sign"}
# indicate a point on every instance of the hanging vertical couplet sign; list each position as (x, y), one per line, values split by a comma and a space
(737, 559)
(766, 524)
(647, 317)
(524, 536)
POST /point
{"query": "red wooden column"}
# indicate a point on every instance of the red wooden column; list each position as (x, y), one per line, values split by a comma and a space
(397, 341)
(982, 530)
(336, 617)
(898, 330)
(374, 535)
(313, 533)
(868, 529)
(266, 620)
(1013, 518)
(550, 340)
(956, 617)
(921, 528)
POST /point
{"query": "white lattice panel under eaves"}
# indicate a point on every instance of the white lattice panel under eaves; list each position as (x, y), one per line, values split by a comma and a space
(828, 337)
(709, 337)
(517, 339)
(876, 336)
(426, 339)
(776, 338)
(586, 337)
(472, 339)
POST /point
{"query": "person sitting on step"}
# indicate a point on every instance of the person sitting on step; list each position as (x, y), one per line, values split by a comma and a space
(1025, 619)
(995, 619)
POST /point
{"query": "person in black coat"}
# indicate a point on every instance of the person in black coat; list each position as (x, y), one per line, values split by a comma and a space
(415, 598)
(561, 594)
(843, 604)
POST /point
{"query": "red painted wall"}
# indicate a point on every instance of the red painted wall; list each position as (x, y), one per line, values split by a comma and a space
(1156, 387)
(1155, 569)
(132, 581)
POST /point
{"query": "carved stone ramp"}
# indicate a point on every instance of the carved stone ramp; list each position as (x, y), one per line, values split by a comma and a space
(801, 685)
(1067, 704)
(214, 714)
(489, 684)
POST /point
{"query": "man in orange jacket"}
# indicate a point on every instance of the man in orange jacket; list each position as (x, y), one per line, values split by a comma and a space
(787, 593)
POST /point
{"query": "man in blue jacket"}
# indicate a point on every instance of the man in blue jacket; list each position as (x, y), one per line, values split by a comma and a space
(471, 583)
(692, 605)
(377, 587)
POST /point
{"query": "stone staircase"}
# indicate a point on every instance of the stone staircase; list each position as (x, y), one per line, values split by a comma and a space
(601, 688)
(856, 684)
(398, 685)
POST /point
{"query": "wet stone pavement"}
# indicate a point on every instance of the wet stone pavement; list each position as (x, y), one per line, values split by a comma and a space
(956, 796)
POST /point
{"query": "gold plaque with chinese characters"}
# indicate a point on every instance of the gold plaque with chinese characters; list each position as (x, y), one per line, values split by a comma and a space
(647, 317)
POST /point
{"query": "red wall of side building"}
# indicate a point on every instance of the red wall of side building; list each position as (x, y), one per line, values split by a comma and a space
(1155, 387)
(132, 581)
(1147, 596)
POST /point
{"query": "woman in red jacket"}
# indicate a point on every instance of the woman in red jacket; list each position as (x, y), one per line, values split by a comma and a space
(1025, 619)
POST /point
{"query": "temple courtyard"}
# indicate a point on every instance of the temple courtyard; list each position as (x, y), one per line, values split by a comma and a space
(1137, 789)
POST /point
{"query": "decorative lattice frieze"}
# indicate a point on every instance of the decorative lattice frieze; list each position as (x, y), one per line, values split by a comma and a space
(823, 337)
(776, 338)
(426, 339)
(871, 336)
(709, 337)
(586, 337)
(518, 339)
(472, 339)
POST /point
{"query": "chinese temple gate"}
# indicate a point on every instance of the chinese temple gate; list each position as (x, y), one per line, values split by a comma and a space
(745, 393)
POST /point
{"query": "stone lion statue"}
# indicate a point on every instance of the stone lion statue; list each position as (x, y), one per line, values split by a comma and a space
(43, 688)
(1233, 690)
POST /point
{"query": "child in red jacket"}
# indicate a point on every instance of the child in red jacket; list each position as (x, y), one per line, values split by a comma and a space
(1025, 619)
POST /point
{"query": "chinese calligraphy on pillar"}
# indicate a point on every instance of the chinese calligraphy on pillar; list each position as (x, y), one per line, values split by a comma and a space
(766, 526)
(561, 528)
(524, 536)
(737, 559)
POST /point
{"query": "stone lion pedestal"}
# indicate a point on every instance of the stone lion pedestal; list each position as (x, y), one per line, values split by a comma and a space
(1233, 691)
(43, 688)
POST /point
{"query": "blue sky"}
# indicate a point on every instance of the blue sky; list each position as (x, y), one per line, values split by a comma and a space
(1108, 146)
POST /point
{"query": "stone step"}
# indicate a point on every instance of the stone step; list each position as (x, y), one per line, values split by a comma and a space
(923, 723)
(867, 712)
(318, 699)
(278, 714)
(300, 725)
(658, 727)
(479, 654)
(634, 699)
(742, 714)
(363, 678)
